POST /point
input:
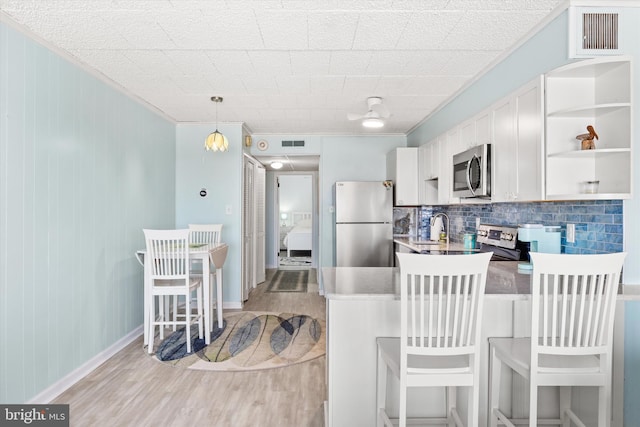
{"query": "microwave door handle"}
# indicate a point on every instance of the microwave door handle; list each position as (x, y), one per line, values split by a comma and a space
(469, 186)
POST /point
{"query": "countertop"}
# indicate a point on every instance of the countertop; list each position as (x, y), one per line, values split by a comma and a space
(430, 247)
(504, 281)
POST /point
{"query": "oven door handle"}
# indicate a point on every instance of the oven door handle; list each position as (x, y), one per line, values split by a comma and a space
(469, 186)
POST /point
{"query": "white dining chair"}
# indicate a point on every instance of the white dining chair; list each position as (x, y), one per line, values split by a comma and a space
(168, 253)
(441, 300)
(205, 234)
(573, 300)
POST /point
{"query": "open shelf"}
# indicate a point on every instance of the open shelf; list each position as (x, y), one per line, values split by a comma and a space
(594, 92)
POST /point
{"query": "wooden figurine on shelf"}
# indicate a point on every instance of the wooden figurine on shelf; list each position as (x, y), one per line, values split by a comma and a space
(587, 139)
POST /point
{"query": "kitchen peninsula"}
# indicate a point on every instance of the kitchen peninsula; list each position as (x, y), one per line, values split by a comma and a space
(363, 304)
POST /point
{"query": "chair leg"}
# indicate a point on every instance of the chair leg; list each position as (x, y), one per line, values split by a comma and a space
(152, 327)
(474, 401)
(161, 313)
(604, 405)
(200, 316)
(403, 400)
(533, 402)
(381, 389)
(176, 303)
(565, 404)
(187, 313)
(451, 404)
(495, 371)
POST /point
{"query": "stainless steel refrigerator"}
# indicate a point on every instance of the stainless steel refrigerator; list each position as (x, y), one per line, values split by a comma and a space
(364, 230)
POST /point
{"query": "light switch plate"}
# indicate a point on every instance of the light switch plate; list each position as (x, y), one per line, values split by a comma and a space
(228, 209)
(571, 233)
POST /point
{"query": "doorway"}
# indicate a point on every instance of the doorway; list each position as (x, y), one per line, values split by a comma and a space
(290, 165)
(295, 213)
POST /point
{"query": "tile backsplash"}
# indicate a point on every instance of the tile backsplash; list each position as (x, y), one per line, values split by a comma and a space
(598, 222)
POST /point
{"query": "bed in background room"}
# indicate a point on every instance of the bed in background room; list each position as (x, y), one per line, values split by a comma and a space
(299, 238)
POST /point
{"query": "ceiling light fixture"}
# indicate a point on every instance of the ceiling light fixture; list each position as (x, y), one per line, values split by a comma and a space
(373, 122)
(216, 141)
(276, 165)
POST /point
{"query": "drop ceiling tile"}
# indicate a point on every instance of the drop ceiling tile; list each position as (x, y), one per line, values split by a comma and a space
(283, 29)
(332, 30)
(270, 62)
(484, 30)
(355, 85)
(310, 62)
(427, 30)
(349, 62)
(224, 29)
(292, 84)
(326, 84)
(231, 62)
(380, 29)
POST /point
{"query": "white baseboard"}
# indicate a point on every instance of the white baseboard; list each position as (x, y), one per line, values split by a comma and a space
(64, 383)
(232, 305)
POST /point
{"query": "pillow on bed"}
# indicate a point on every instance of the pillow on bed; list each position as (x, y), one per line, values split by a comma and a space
(304, 223)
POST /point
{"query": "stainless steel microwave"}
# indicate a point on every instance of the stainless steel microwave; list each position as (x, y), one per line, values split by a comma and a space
(472, 172)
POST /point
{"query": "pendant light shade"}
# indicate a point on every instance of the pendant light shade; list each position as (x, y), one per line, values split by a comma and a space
(216, 141)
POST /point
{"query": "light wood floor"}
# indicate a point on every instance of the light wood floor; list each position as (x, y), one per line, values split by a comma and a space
(131, 389)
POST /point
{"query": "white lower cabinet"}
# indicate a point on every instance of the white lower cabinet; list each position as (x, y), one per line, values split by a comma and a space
(518, 162)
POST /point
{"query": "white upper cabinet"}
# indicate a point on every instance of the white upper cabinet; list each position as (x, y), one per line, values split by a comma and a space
(402, 169)
(596, 93)
(517, 129)
(429, 168)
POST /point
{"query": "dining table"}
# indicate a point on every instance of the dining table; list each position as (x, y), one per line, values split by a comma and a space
(212, 255)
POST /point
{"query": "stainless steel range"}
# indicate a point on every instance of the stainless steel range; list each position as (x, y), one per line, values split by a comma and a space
(503, 241)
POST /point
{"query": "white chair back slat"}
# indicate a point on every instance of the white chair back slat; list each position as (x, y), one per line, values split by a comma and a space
(442, 309)
(574, 301)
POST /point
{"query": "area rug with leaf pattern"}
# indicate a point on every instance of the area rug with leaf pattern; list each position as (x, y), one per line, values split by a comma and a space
(247, 341)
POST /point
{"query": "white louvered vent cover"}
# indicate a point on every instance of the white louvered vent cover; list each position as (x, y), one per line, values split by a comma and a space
(600, 31)
(594, 32)
(293, 143)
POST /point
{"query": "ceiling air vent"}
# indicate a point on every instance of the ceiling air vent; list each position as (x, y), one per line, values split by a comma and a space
(594, 32)
(600, 31)
(293, 143)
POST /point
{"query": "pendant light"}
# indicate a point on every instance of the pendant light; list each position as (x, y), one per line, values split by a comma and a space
(216, 141)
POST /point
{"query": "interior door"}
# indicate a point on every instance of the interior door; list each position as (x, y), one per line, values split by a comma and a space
(259, 225)
(248, 230)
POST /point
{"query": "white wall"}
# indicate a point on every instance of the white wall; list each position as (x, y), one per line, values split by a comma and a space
(83, 169)
(295, 195)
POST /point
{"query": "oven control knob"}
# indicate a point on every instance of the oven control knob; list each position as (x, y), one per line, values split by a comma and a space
(506, 236)
(482, 233)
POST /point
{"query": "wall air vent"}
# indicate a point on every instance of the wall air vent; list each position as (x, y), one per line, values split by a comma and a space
(293, 143)
(600, 31)
(594, 32)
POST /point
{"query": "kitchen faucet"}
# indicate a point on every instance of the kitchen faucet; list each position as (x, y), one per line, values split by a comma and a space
(446, 217)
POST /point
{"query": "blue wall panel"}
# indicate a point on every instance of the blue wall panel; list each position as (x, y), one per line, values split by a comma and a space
(83, 168)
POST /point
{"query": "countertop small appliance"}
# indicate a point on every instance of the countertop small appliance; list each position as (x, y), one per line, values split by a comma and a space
(541, 238)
